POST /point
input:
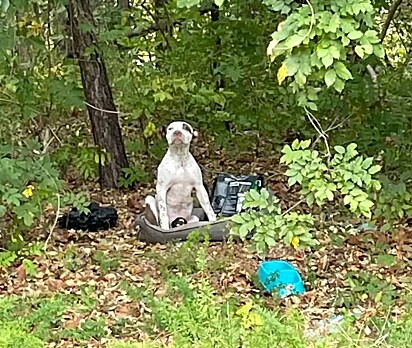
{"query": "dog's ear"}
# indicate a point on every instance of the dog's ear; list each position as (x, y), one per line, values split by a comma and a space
(195, 136)
(163, 131)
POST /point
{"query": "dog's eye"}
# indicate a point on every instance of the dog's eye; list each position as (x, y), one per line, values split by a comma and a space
(169, 129)
(186, 127)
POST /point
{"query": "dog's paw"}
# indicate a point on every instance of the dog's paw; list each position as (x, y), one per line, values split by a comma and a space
(212, 217)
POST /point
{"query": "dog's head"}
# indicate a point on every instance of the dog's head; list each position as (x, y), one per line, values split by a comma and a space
(180, 133)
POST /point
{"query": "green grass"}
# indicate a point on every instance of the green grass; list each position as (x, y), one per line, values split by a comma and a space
(193, 314)
(190, 312)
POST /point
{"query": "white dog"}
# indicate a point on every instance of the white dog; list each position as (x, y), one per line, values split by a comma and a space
(177, 175)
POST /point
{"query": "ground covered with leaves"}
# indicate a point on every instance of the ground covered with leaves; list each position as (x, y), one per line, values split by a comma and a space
(110, 289)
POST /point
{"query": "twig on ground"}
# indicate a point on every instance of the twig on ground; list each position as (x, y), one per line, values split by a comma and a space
(50, 139)
(54, 223)
(293, 206)
(55, 135)
(57, 212)
(273, 175)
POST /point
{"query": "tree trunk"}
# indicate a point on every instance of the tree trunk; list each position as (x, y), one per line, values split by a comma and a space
(215, 15)
(123, 3)
(102, 110)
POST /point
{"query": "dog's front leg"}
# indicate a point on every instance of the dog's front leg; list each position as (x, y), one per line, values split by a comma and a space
(203, 198)
(162, 206)
(163, 217)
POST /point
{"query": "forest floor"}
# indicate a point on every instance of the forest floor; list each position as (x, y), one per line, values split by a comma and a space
(104, 288)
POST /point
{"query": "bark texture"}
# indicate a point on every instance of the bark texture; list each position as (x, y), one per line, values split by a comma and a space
(123, 3)
(102, 110)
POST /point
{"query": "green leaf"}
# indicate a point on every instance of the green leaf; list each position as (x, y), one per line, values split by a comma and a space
(347, 199)
(264, 193)
(322, 52)
(351, 147)
(243, 231)
(237, 219)
(254, 194)
(355, 34)
(310, 199)
(367, 163)
(345, 41)
(353, 205)
(366, 205)
(334, 23)
(187, 3)
(342, 71)
(294, 40)
(312, 106)
(4, 5)
(270, 241)
(339, 85)
(386, 227)
(292, 64)
(359, 51)
(28, 219)
(327, 60)
(305, 144)
(367, 48)
(371, 33)
(300, 78)
(334, 52)
(285, 9)
(339, 149)
(329, 194)
(347, 25)
(374, 169)
(274, 5)
(379, 51)
(295, 144)
(330, 77)
(292, 180)
(219, 2)
(386, 260)
(288, 237)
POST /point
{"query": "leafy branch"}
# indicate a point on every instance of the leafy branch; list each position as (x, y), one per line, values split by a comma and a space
(346, 179)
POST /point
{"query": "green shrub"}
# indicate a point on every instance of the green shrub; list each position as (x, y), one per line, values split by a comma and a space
(346, 178)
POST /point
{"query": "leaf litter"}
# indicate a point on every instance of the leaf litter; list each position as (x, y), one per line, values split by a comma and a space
(330, 273)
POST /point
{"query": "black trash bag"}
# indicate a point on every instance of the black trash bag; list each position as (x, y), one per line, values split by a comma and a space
(99, 218)
(229, 192)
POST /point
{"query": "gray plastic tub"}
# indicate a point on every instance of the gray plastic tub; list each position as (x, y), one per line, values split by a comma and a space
(149, 233)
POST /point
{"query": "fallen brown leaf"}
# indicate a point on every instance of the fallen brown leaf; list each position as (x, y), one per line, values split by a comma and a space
(74, 323)
(21, 273)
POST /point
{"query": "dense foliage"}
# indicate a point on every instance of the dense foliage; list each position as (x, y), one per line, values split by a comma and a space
(255, 70)
(322, 87)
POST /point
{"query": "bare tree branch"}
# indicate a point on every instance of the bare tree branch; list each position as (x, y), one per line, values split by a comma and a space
(391, 14)
(318, 127)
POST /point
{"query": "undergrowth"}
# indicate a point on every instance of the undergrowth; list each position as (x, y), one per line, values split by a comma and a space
(195, 316)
